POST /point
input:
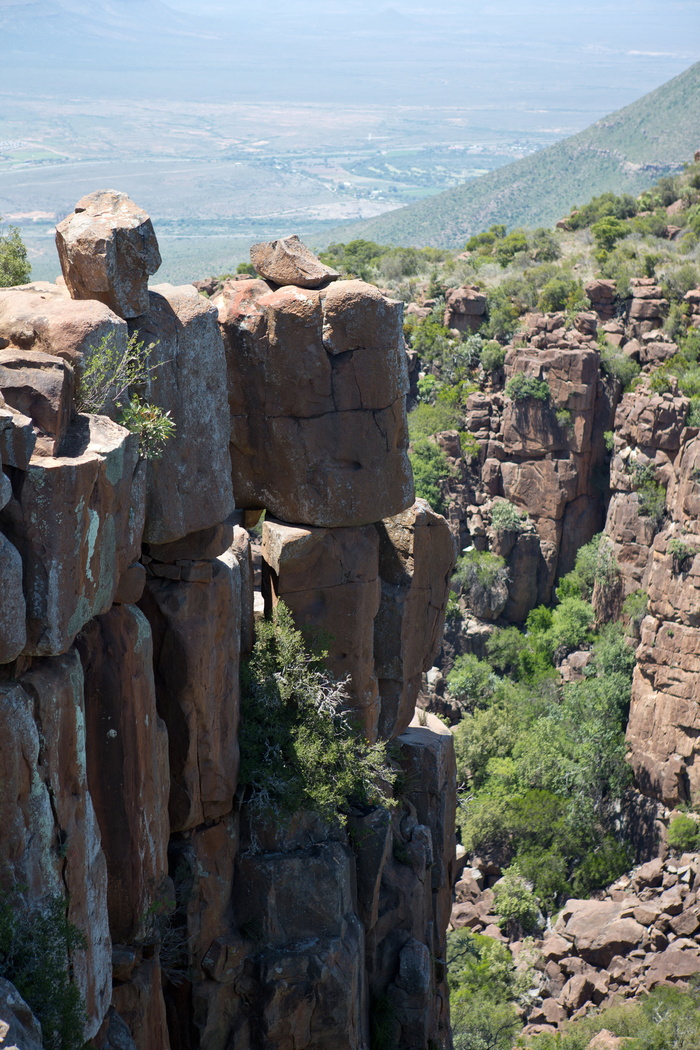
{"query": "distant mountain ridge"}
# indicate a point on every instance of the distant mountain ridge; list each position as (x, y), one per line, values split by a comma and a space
(624, 153)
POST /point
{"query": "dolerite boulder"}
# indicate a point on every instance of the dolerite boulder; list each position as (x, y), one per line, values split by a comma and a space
(76, 520)
(317, 382)
(18, 1025)
(51, 840)
(464, 308)
(196, 640)
(289, 261)
(127, 764)
(329, 580)
(416, 558)
(303, 982)
(43, 317)
(189, 485)
(40, 386)
(108, 250)
(13, 609)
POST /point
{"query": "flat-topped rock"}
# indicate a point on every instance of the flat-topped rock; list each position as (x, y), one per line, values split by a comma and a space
(108, 250)
(39, 386)
(289, 261)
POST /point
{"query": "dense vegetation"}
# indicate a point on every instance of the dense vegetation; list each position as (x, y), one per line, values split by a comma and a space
(14, 265)
(541, 763)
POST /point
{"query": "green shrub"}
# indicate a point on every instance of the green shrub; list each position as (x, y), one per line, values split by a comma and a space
(608, 231)
(682, 553)
(428, 386)
(426, 420)
(479, 567)
(430, 466)
(559, 293)
(300, 749)
(516, 906)
(652, 501)
(571, 623)
(153, 426)
(492, 356)
(36, 945)
(522, 387)
(248, 268)
(595, 561)
(505, 517)
(14, 265)
(471, 449)
(614, 363)
(471, 681)
(634, 607)
(684, 834)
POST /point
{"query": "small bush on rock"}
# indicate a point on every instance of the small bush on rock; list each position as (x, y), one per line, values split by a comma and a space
(505, 517)
(522, 387)
(300, 747)
(516, 905)
(684, 833)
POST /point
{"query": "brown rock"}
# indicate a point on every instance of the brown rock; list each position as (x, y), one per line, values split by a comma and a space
(196, 638)
(131, 584)
(45, 804)
(329, 579)
(39, 386)
(318, 436)
(605, 1040)
(289, 261)
(464, 308)
(107, 250)
(207, 543)
(19, 1027)
(13, 609)
(17, 437)
(127, 764)
(77, 523)
(599, 933)
(48, 320)
(188, 487)
(416, 558)
(671, 966)
(140, 1005)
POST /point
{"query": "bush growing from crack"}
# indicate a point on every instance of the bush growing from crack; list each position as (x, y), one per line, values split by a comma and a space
(522, 387)
(300, 748)
(36, 945)
(110, 382)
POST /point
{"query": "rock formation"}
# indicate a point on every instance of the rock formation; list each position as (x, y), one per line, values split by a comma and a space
(128, 603)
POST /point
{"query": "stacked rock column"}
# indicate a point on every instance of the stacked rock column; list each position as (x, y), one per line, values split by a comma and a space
(317, 384)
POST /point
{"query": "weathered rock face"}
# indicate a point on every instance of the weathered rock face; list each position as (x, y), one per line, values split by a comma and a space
(189, 486)
(108, 250)
(76, 520)
(39, 386)
(464, 308)
(51, 841)
(196, 638)
(18, 1025)
(377, 594)
(317, 383)
(329, 579)
(288, 261)
(416, 558)
(45, 318)
(127, 764)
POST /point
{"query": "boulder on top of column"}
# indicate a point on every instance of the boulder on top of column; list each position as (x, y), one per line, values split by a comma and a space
(289, 261)
(317, 383)
(108, 250)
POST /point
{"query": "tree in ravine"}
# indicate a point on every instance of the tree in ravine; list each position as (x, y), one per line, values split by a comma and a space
(14, 265)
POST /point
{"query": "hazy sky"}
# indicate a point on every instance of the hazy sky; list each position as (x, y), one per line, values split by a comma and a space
(489, 53)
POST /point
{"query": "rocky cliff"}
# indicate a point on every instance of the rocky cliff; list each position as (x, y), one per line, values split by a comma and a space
(128, 606)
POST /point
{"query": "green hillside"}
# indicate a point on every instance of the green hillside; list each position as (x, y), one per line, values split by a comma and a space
(623, 153)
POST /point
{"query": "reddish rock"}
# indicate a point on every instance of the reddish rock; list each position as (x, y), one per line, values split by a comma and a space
(127, 764)
(289, 261)
(329, 579)
(17, 437)
(196, 638)
(19, 1027)
(107, 250)
(45, 318)
(13, 610)
(464, 308)
(76, 521)
(671, 966)
(416, 558)
(188, 486)
(39, 386)
(318, 417)
(45, 803)
(140, 1004)
(598, 931)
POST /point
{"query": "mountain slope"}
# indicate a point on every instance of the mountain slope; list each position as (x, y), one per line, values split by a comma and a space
(623, 152)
